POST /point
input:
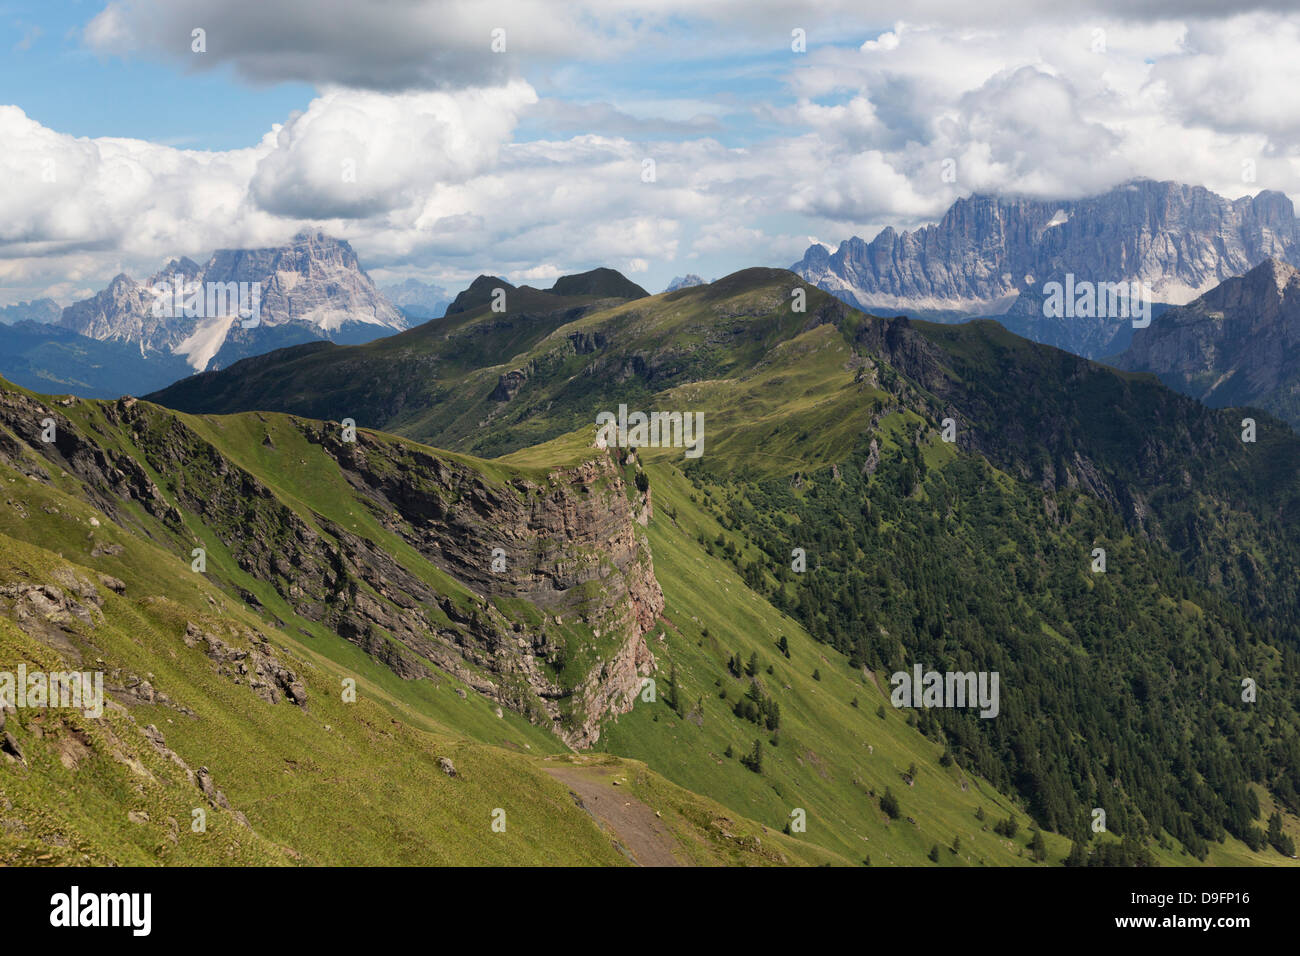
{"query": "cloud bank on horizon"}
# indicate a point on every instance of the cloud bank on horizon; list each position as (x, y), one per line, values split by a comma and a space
(529, 139)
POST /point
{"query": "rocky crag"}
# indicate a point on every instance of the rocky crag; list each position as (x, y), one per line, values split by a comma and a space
(536, 589)
(1239, 344)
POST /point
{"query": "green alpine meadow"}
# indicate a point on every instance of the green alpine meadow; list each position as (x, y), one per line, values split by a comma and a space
(399, 603)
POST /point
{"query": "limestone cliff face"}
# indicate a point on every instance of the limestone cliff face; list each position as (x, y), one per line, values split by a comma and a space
(565, 544)
(988, 254)
(549, 537)
(568, 545)
(1239, 344)
(313, 287)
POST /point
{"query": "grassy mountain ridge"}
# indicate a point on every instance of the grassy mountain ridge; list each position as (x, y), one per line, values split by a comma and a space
(384, 380)
(1083, 455)
(382, 542)
(299, 773)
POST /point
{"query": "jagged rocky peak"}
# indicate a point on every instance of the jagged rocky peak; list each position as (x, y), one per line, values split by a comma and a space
(315, 279)
(688, 281)
(1179, 240)
(119, 311)
(1274, 273)
(305, 253)
(313, 287)
(1258, 296)
(184, 266)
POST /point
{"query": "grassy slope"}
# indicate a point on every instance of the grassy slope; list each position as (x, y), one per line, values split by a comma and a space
(273, 761)
(339, 783)
(831, 755)
(791, 414)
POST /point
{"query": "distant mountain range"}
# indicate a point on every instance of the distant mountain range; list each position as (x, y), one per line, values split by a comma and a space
(418, 300)
(992, 256)
(134, 335)
(987, 257)
(684, 282)
(313, 288)
(49, 358)
(38, 310)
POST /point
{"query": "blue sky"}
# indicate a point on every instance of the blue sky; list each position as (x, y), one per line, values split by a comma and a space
(49, 72)
(439, 159)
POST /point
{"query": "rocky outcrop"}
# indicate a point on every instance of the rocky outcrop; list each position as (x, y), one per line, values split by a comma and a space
(509, 385)
(543, 542)
(10, 747)
(612, 688)
(111, 477)
(550, 537)
(51, 611)
(255, 665)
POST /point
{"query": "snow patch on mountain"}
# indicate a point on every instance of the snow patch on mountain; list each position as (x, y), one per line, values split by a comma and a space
(202, 345)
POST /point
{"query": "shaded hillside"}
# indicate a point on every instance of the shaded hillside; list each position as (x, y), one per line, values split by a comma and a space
(1239, 344)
